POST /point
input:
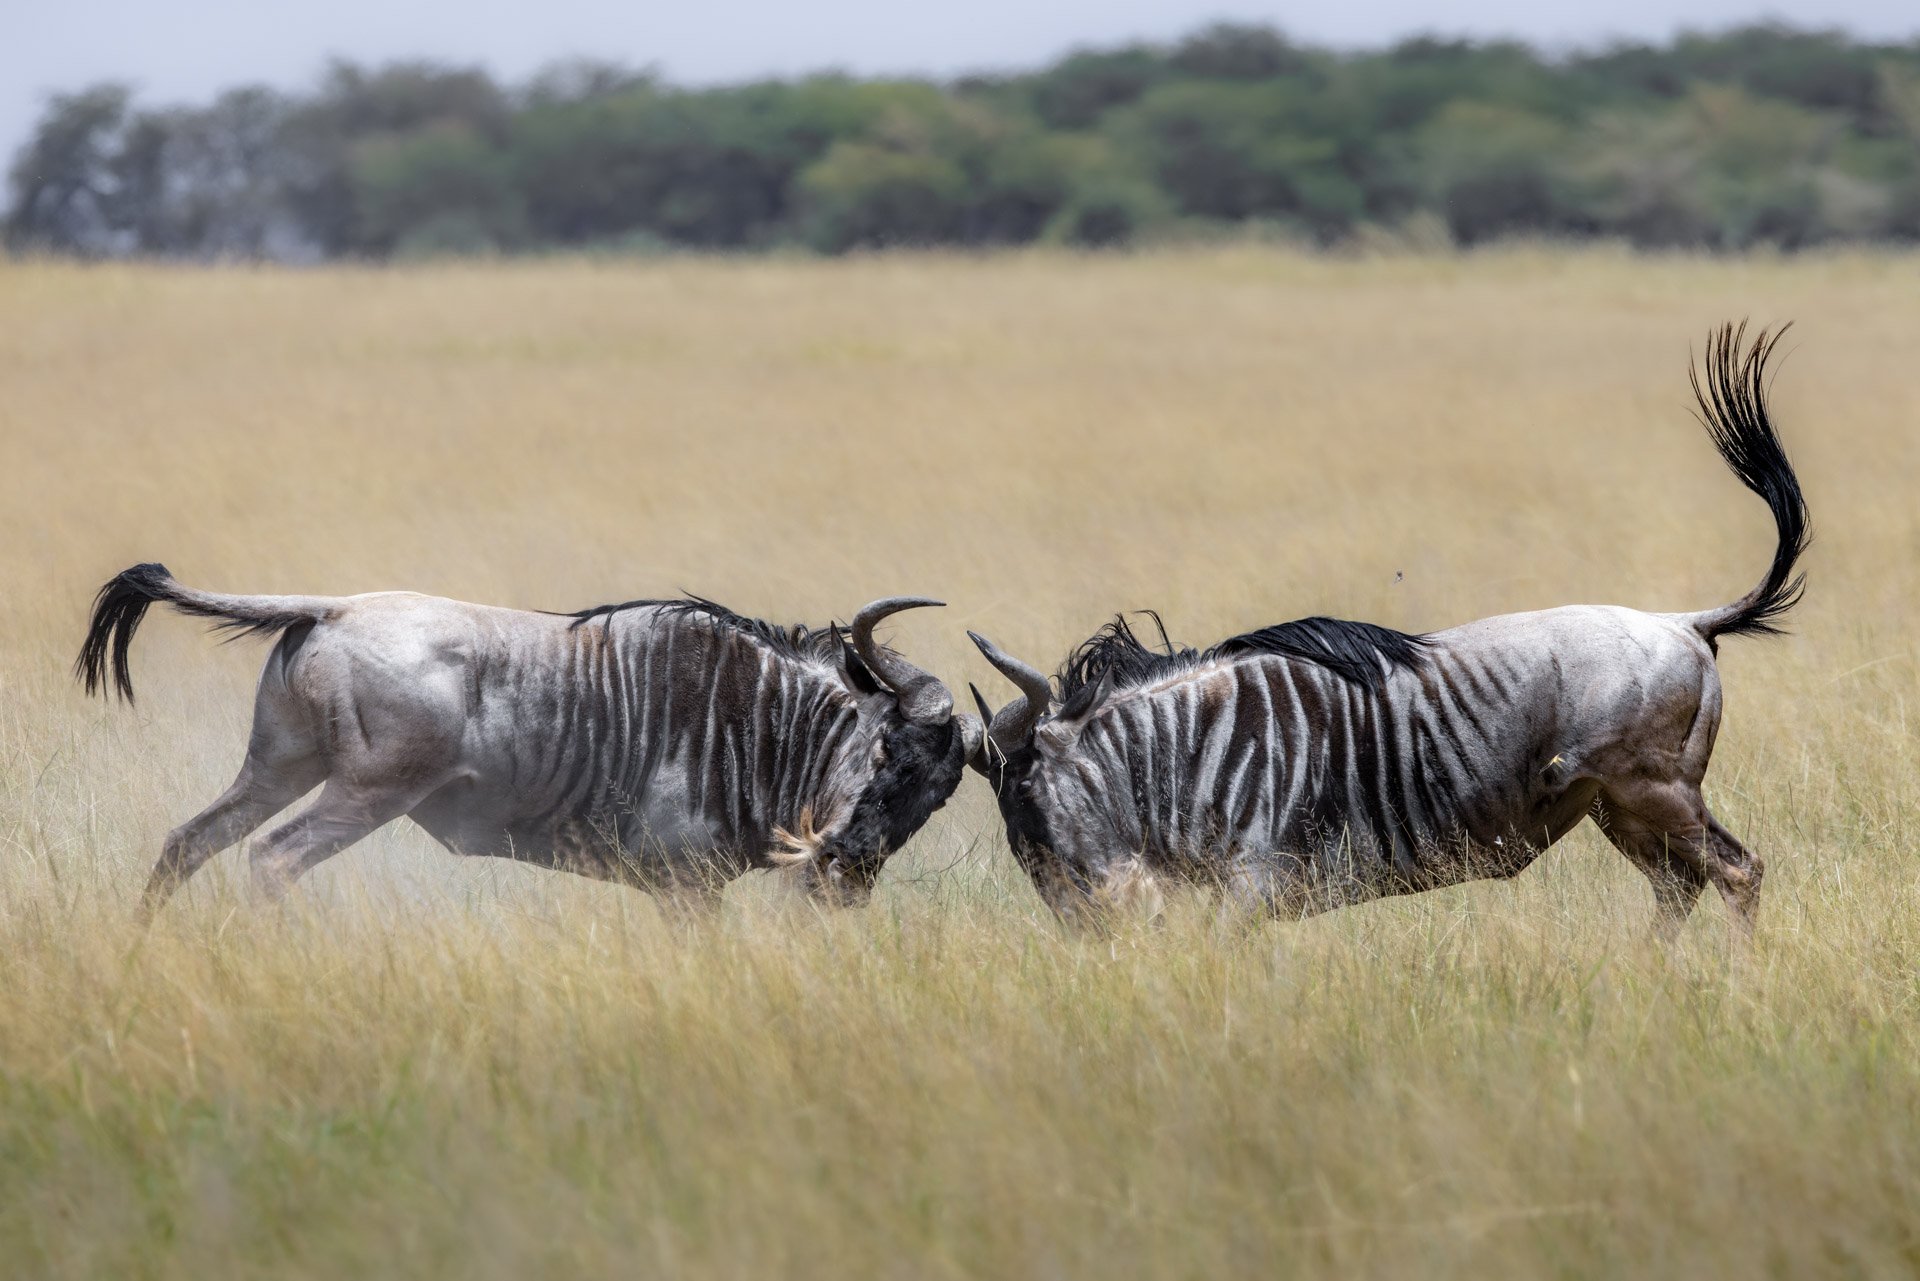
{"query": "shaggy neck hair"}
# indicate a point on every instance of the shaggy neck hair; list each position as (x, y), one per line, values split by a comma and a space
(1362, 653)
(796, 640)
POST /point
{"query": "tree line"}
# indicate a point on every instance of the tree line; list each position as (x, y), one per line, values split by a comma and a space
(1762, 135)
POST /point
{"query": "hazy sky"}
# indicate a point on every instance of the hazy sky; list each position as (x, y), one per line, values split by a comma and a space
(182, 50)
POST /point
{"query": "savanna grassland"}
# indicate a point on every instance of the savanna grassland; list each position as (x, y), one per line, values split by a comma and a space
(433, 1067)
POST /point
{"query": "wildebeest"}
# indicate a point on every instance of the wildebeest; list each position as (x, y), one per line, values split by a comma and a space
(1321, 762)
(667, 744)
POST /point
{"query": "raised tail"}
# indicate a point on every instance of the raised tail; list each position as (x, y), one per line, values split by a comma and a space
(123, 602)
(1732, 401)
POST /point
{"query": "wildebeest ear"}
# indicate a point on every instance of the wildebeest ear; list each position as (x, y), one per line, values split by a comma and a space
(1079, 709)
(859, 679)
(1086, 700)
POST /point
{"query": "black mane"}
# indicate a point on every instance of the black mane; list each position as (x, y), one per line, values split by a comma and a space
(1362, 653)
(796, 640)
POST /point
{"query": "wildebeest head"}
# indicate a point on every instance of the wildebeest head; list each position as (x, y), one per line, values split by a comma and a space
(1016, 737)
(918, 749)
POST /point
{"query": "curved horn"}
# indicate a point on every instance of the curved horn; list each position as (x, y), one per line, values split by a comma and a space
(981, 752)
(980, 701)
(1016, 720)
(973, 738)
(923, 699)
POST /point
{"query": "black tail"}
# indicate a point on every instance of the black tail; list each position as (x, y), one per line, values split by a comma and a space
(123, 602)
(1733, 409)
(117, 612)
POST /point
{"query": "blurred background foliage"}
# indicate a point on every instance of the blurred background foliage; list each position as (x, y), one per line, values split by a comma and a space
(1763, 135)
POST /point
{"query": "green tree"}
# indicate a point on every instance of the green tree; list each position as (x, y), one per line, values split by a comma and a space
(1079, 90)
(1233, 51)
(211, 182)
(354, 106)
(1492, 170)
(715, 168)
(937, 168)
(440, 189)
(63, 182)
(1819, 70)
(1238, 150)
(867, 194)
(1071, 188)
(1396, 92)
(1721, 169)
(1760, 134)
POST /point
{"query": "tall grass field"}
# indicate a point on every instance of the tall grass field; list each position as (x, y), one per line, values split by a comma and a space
(424, 1066)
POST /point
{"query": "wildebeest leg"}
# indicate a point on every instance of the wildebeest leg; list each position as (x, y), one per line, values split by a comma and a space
(1736, 872)
(283, 763)
(339, 816)
(256, 795)
(1662, 829)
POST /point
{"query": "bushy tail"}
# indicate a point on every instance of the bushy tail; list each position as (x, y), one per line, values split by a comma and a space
(1733, 408)
(123, 602)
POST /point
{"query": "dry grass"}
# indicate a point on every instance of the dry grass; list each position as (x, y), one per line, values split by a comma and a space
(434, 1067)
